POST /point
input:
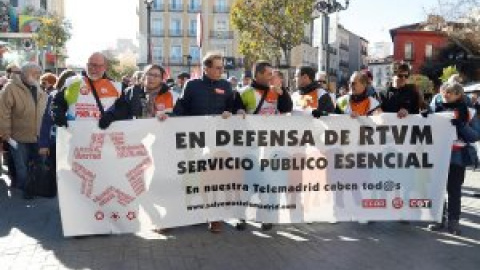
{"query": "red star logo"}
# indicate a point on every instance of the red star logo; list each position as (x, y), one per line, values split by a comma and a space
(131, 215)
(99, 215)
(134, 176)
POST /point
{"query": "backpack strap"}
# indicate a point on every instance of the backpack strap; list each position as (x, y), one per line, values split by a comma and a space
(95, 94)
(260, 104)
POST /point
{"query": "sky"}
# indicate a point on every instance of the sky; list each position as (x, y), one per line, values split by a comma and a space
(97, 24)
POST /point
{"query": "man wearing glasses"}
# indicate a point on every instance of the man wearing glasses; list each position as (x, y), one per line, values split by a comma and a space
(401, 98)
(209, 95)
(79, 99)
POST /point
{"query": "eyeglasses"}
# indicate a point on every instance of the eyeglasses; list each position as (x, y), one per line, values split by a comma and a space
(405, 76)
(96, 66)
(219, 68)
(321, 81)
(153, 75)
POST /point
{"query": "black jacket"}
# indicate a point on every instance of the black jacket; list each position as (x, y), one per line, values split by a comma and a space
(135, 94)
(206, 97)
(406, 98)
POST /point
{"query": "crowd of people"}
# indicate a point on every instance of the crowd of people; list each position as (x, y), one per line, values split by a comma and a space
(33, 105)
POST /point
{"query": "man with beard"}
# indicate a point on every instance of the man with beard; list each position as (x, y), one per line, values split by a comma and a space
(88, 96)
(22, 104)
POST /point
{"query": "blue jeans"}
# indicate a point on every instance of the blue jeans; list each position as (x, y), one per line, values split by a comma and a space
(23, 157)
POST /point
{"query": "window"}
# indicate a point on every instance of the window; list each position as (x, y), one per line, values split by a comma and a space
(158, 4)
(409, 51)
(43, 4)
(429, 51)
(157, 54)
(194, 5)
(175, 27)
(175, 5)
(194, 53)
(176, 52)
(193, 27)
(14, 3)
(222, 5)
(157, 27)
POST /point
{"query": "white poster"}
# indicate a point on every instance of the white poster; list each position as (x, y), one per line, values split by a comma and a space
(144, 174)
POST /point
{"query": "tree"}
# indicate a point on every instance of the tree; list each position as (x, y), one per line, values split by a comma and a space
(54, 32)
(269, 26)
(467, 15)
(448, 72)
(257, 48)
(112, 65)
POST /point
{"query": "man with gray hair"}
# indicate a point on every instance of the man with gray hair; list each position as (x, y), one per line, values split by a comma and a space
(89, 96)
(22, 104)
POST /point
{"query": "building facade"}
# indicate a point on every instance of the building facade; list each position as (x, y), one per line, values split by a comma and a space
(419, 42)
(382, 71)
(20, 19)
(379, 50)
(347, 52)
(174, 34)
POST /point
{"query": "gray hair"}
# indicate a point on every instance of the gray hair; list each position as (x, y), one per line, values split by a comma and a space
(105, 58)
(26, 68)
(452, 87)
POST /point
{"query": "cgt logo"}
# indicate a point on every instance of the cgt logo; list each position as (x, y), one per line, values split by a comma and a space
(374, 203)
(420, 203)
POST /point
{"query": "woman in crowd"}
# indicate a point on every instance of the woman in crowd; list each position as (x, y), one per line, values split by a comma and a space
(358, 103)
(454, 101)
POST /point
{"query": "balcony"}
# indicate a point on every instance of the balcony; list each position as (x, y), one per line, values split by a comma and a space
(175, 8)
(192, 32)
(409, 57)
(221, 9)
(343, 46)
(159, 8)
(158, 59)
(175, 60)
(307, 40)
(194, 9)
(221, 34)
(175, 33)
(344, 64)
(158, 33)
(332, 50)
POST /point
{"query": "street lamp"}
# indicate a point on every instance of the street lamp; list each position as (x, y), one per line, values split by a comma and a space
(328, 7)
(189, 62)
(149, 4)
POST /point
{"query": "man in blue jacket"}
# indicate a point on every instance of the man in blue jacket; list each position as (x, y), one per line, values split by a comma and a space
(209, 95)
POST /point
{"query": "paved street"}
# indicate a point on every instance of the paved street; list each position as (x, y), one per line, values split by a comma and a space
(31, 238)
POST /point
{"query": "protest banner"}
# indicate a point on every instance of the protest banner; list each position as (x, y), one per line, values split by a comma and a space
(142, 174)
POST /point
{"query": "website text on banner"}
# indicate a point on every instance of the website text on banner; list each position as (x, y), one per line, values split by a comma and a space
(145, 173)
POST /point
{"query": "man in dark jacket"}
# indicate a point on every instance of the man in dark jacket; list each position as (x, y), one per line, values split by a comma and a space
(210, 95)
(311, 98)
(401, 98)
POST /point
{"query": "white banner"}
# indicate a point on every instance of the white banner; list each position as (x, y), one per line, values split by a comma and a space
(143, 174)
